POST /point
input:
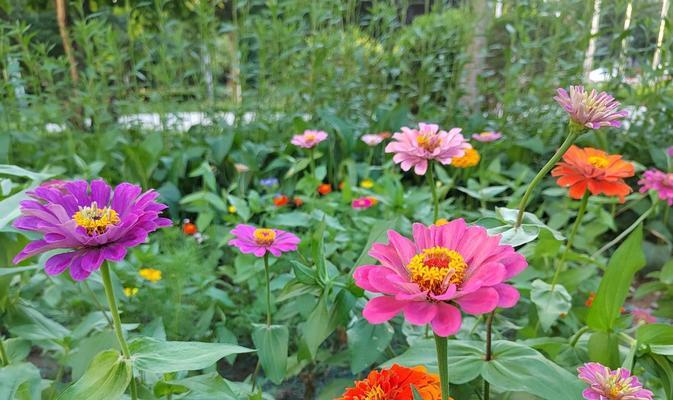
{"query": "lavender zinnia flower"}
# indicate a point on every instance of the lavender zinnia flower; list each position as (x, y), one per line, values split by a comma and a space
(606, 384)
(590, 109)
(90, 221)
(268, 182)
(660, 182)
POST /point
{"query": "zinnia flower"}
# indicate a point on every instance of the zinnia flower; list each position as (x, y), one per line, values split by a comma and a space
(669, 151)
(90, 221)
(415, 147)
(298, 202)
(488, 136)
(606, 384)
(309, 139)
(590, 109)
(372, 139)
(642, 316)
(367, 183)
(150, 274)
(324, 189)
(444, 266)
(395, 384)
(188, 228)
(231, 209)
(268, 182)
(280, 200)
(363, 202)
(660, 182)
(241, 168)
(593, 170)
(130, 292)
(470, 159)
(258, 241)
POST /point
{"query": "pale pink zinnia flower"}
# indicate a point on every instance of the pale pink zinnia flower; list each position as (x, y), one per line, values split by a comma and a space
(309, 139)
(258, 241)
(443, 267)
(606, 384)
(642, 316)
(590, 109)
(489, 136)
(414, 147)
(372, 139)
(660, 182)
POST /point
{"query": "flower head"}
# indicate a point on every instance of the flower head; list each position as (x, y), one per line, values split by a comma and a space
(241, 168)
(324, 189)
(363, 202)
(130, 291)
(470, 159)
(590, 169)
(444, 266)
(367, 184)
(268, 182)
(590, 109)
(669, 151)
(606, 384)
(488, 136)
(660, 182)
(415, 147)
(280, 200)
(395, 383)
(232, 209)
(298, 202)
(189, 228)
(372, 139)
(91, 222)
(150, 274)
(642, 316)
(258, 241)
(309, 139)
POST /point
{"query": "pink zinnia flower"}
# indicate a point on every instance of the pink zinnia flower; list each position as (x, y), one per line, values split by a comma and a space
(309, 139)
(606, 384)
(590, 109)
(91, 222)
(414, 147)
(258, 241)
(372, 139)
(489, 136)
(643, 316)
(363, 202)
(660, 182)
(443, 267)
(669, 151)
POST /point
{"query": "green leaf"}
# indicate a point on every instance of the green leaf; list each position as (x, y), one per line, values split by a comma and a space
(24, 173)
(242, 208)
(32, 325)
(366, 343)
(614, 287)
(317, 328)
(376, 234)
(272, 346)
(303, 273)
(604, 348)
(658, 337)
(16, 270)
(163, 357)
(107, 377)
(550, 305)
(20, 382)
(200, 387)
(666, 275)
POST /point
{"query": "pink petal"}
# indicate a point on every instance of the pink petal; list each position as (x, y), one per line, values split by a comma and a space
(508, 296)
(481, 301)
(420, 312)
(447, 320)
(381, 309)
(58, 263)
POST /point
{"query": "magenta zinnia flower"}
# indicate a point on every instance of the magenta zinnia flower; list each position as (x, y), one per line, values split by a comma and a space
(606, 384)
(88, 220)
(372, 139)
(590, 109)
(363, 202)
(309, 139)
(444, 266)
(489, 136)
(660, 182)
(258, 241)
(415, 147)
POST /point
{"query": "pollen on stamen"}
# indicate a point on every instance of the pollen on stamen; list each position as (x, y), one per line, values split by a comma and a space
(264, 236)
(96, 220)
(599, 162)
(434, 268)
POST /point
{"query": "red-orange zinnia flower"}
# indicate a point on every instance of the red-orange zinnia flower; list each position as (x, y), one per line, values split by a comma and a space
(280, 200)
(298, 202)
(590, 169)
(189, 229)
(324, 189)
(395, 384)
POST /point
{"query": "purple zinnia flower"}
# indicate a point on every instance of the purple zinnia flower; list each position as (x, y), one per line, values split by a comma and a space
(590, 109)
(488, 136)
(669, 151)
(258, 241)
(90, 221)
(660, 182)
(268, 182)
(606, 384)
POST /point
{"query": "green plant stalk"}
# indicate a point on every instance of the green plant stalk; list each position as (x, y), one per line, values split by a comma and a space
(578, 335)
(570, 139)
(116, 321)
(626, 232)
(441, 343)
(4, 359)
(433, 189)
(312, 162)
(268, 289)
(571, 238)
(489, 355)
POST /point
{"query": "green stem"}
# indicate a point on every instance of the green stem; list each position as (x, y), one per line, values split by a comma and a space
(571, 238)
(578, 335)
(489, 354)
(116, 321)
(433, 188)
(3, 354)
(626, 232)
(268, 289)
(312, 162)
(570, 139)
(442, 361)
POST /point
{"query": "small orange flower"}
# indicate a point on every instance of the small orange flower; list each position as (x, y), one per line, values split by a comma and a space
(595, 170)
(395, 384)
(189, 229)
(590, 299)
(298, 202)
(325, 188)
(470, 159)
(280, 200)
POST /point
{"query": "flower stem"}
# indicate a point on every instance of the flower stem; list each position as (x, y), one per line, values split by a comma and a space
(571, 238)
(4, 359)
(578, 335)
(570, 139)
(268, 289)
(312, 162)
(489, 354)
(441, 344)
(626, 232)
(433, 188)
(116, 321)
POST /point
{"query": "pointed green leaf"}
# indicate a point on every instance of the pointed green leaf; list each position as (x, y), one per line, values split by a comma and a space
(107, 377)
(272, 344)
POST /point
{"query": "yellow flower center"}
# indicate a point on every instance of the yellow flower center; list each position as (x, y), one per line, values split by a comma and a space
(441, 222)
(435, 268)
(95, 220)
(375, 393)
(367, 184)
(598, 161)
(310, 137)
(428, 142)
(264, 236)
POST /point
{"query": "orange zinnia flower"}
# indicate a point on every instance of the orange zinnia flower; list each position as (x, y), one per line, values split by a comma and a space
(280, 200)
(324, 189)
(395, 384)
(595, 170)
(189, 229)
